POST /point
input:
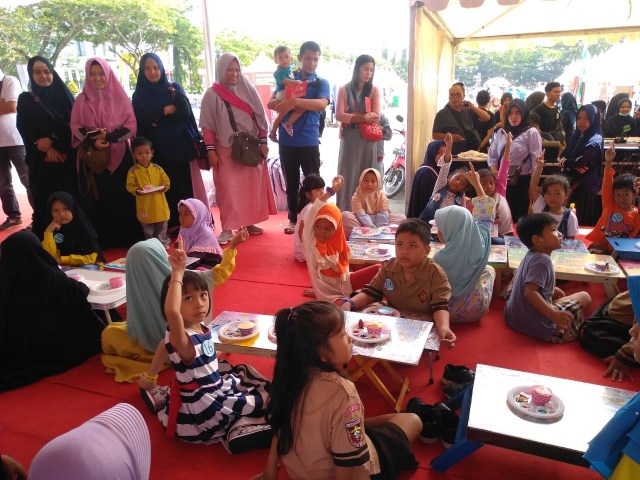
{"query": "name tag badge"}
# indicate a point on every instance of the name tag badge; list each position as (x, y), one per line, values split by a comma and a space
(207, 348)
(58, 237)
(388, 284)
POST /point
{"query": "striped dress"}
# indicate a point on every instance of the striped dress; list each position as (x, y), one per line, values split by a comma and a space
(211, 394)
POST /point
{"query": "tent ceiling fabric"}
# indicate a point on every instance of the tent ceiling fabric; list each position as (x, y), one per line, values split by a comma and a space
(538, 16)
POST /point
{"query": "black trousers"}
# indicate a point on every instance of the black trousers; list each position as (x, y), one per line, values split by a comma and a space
(292, 159)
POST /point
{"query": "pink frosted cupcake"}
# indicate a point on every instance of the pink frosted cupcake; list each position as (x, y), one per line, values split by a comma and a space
(116, 282)
(541, 395)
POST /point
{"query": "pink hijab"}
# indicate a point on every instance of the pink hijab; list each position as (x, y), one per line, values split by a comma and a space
(199, 237)
(109, 108)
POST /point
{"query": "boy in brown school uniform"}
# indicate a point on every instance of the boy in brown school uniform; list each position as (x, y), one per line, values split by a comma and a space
(411, 282)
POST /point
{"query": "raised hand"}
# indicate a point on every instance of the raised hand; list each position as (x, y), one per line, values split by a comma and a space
(337, 183)
(540, 160)
(178, 258)
(239, 236)
(610, 154)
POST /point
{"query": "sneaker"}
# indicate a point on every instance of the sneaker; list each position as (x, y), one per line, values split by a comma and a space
(429, 433)
(10, 223)
(253, 230)
(155, 398)
(457, 374)
(225, 236)
(453, 394)
(290, 229)
(447, 422)
(288, 128)
(248, 434)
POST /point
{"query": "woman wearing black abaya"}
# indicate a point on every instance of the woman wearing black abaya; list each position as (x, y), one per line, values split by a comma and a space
(165, 117)
(425, 179)
(43, 122)
(582, 163)
(46, 324)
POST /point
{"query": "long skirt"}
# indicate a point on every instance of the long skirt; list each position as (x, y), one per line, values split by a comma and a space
(356, 154)
(473, 306)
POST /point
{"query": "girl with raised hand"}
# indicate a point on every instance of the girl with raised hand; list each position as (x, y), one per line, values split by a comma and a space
(312, 188)
(207, 395)
(315, 411)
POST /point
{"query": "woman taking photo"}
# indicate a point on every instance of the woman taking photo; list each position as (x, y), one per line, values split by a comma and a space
(243, 192)
(358, 102)
(102, 119)
(457, 119)
(525, 147)
(582, 163)
(43, 121)
(164, 116)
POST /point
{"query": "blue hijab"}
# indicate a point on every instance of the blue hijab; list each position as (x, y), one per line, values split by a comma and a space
(152, 95)
(592, 135)
(466, 251)
(430, 159)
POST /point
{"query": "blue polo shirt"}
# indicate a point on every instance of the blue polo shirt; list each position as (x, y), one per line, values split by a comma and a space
(306, 128)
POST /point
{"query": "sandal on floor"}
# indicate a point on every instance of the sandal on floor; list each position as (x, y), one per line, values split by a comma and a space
(290, 229)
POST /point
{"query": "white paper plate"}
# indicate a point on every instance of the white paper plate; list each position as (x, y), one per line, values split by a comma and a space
(382, 310)
(371, 233)
(388, 230)
(229, 332)
(520, 403)
(378, 252)
(103, 288)
(154, 189)
(361, 335)
(613, 269)
(75, 276)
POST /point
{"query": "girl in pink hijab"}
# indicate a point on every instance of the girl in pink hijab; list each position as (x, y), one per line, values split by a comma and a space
(196, 229)
(102, 117)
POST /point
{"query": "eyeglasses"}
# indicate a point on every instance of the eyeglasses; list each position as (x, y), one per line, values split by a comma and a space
(455, 95)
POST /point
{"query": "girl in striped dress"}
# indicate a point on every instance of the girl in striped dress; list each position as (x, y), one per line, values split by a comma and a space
(207, 396)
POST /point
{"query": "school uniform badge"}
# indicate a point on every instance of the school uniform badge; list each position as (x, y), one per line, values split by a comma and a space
(354, 432)
(58, 237)
(388, 284)
(422, 296)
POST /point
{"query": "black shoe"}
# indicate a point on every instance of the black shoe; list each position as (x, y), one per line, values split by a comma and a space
(457, 374)
(447, 422)
(427, 415)
(453, 394)
(249, 434)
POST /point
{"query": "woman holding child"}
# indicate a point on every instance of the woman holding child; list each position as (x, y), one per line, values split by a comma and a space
(102, 119)
(582, 164)
(243, 192)
(526, 145)
(43, 122)
(164, 116)
(358, 102)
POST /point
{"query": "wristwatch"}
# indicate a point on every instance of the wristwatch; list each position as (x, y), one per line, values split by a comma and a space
(349, 301)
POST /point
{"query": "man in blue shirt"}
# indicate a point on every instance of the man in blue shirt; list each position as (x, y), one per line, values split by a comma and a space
(302, 149)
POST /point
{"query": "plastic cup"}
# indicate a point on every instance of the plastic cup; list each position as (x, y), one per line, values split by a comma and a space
(246, 328)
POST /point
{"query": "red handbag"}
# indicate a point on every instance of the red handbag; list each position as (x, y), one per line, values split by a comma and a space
(370, 131)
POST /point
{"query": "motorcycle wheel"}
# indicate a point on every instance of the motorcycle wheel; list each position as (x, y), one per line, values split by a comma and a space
(394, 181)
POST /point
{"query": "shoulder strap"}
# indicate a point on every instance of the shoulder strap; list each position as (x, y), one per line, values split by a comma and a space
(232, 119)
(44, 107)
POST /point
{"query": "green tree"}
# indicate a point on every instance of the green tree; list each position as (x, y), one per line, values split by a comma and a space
(187, 54)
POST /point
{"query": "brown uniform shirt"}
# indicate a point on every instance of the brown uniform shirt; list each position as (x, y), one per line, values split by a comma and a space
(330, 432)
(428, 293)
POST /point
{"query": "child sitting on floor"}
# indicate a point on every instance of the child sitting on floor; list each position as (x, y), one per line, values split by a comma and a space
(495, 186)
(312, 188)
(208, 396)
(551, 198)
(327, 252)
(536, 306)
(411, 282)
(70, 238)
(449, 189)
(316, 412)
(196, 230)
(369, 205)
(620, 216)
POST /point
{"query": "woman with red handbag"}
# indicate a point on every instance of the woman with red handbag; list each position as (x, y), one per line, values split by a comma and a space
(358, 109)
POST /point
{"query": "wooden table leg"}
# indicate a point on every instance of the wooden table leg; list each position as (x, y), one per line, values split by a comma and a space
(365, 367)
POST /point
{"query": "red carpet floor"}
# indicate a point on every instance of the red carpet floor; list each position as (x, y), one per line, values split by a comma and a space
(268, 278)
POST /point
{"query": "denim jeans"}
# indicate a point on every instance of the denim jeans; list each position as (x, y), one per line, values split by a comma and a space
(13, 155)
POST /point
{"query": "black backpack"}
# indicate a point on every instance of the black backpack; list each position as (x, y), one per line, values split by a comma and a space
(602, 335)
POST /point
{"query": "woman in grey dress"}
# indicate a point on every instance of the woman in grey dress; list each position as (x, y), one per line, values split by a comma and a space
(358, 101)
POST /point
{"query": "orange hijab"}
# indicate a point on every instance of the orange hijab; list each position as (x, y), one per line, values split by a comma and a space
(335, 251)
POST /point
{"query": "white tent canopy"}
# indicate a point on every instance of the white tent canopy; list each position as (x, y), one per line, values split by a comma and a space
(434, 36)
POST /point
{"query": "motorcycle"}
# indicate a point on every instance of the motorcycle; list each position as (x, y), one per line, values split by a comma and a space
(395, 176)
